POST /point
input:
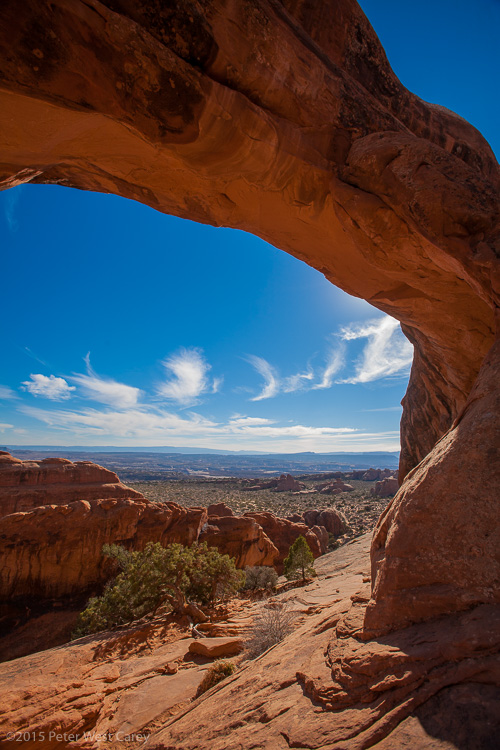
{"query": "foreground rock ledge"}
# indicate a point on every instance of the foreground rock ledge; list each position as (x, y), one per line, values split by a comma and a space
(432, 686)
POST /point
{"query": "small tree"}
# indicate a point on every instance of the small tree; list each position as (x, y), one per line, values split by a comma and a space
(299, 562)
(180, 577)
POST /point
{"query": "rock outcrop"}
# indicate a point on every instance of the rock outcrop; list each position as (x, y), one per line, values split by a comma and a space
(385, 487)
(219, 509)
(25, 485)
(241, 538)
(283, 533)
(333, 521)
(376, 474)
(334, 488)
(54, 551)
(286, 483)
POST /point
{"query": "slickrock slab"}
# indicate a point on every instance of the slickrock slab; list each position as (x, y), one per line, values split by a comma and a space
(216, 647)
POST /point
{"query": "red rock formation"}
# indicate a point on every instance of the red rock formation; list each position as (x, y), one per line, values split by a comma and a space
(241, 538)
(373, 474)
(219, 509)
(283, 533)
(385, 487)
(334, 488)
(435, 548)
(330, 518)
(55, 550)
(25, 485)
(286, 483)
(323, 537)
(313, 144)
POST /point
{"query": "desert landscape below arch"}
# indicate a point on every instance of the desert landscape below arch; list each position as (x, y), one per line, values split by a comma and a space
(262, 116)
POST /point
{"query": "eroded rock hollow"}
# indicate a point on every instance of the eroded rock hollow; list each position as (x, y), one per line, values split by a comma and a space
(284, 118)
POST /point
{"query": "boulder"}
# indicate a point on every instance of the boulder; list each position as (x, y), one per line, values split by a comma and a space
(215, 648)
(330, 519)
(219, 509)
(385, 487)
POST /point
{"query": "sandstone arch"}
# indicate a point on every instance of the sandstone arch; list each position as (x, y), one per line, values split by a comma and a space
(286, 120)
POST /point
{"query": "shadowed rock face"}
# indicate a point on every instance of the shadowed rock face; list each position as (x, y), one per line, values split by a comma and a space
(286, 120)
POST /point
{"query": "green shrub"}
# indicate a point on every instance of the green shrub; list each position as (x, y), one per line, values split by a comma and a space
(219, 670)
(299, 562)
(177, 576)
(260, 577)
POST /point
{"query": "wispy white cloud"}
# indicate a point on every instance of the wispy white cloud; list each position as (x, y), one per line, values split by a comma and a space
(240, 421)
(335, 362)
(161, 424)
(48, 386)
(298, 382)
(4, 426)
(217, 384)
(388, 352)
(31, 354)
(271, 380)
(105, 390)
(7, 393)
(189, 370)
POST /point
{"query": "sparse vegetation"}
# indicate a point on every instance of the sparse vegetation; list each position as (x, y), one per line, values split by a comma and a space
(260, 577)
(299, 561)
(182, 578)
(219, 670)
(271, 625)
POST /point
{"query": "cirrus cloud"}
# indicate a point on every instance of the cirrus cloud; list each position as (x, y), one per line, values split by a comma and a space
(105, 390)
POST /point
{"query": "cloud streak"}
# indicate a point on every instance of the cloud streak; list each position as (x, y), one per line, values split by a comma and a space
(153, 426)
(7, 393)
(271, 381)
(106, 391)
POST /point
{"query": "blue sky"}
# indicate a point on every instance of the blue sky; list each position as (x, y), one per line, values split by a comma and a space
(122, 326)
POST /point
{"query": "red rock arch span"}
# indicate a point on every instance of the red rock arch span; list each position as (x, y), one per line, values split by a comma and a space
(286, 120)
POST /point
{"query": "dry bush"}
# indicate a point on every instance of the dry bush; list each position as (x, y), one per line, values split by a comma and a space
(219, 670)
(260, 577)
(271, 625)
